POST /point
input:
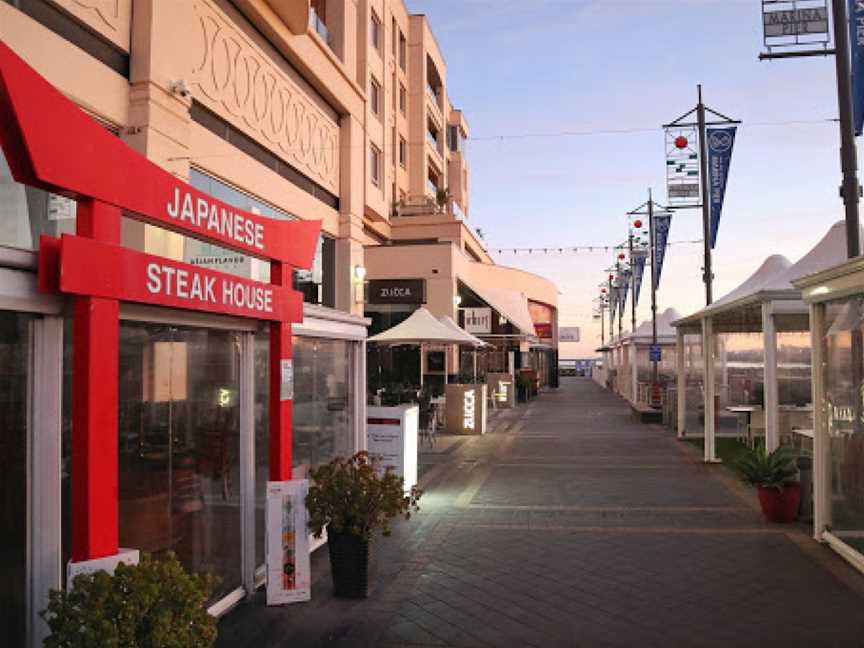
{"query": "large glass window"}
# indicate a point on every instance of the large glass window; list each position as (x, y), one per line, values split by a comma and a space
(315, 284)
(322, 413)
(26, 212)
(179, 436)
(14, 377)
(844, 396)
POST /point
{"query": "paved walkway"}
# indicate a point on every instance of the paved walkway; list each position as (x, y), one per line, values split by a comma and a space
(571, 525)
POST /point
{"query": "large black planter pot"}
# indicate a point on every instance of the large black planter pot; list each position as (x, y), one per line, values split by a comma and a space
(350, 561)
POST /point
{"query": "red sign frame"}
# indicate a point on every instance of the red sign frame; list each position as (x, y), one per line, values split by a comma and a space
(51, 144)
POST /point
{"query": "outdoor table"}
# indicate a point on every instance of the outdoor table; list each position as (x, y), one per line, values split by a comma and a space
(747, 412)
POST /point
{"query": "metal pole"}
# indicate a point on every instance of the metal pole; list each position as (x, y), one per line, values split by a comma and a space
(611, 323)
(653, 286)
(602, 326)
(848, 157)
(707, 275)
(632, 290)
(621, 309)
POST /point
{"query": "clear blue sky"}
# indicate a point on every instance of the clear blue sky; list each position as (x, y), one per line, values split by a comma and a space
(541, 67)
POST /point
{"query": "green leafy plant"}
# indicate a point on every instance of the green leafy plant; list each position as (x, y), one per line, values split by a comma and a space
(154, 604)
(769, 470)
(349, 496)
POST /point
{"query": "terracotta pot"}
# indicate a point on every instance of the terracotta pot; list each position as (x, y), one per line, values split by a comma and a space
(350, 559)
(780, 505)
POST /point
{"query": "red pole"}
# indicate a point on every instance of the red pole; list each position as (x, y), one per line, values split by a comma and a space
(95, 361)
(280, 409)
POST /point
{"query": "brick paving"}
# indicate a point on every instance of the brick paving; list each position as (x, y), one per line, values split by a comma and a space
(570, 524)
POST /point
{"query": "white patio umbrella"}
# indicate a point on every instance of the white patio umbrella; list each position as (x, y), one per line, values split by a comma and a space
(470, 340)
(421, 328)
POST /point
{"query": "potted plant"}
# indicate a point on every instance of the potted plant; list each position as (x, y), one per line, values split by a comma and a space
(353, 499)
(154, 603)
(775, 476)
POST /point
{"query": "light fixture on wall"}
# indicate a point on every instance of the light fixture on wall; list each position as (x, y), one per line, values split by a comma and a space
(502, 320)
(457, 300)
(359, 284)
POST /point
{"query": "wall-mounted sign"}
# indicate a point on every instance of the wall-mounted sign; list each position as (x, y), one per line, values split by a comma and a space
(569, 334)
(477, 320)
(391, 439)
(287, 544)
(794, 22)
(396, 291)
(286, 379)
(655, 353)
(501, 388)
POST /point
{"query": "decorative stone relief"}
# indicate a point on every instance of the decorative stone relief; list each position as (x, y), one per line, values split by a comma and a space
(233, 76)
(111, 18)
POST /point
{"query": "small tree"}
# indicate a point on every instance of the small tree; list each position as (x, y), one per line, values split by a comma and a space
(154, 604)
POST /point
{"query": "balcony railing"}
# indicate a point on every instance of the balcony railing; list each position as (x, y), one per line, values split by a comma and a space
(320, 28)
(434, 96)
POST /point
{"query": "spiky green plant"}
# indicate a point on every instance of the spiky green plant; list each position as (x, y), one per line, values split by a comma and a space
(770, 470)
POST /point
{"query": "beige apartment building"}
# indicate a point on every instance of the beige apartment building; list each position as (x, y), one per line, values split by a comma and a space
(333, 110)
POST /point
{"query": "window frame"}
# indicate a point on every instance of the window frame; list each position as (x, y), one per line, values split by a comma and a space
(375, 164)
(375, 28)
(375, 90)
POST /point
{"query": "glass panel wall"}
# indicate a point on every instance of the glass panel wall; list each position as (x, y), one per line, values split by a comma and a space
(179, 436)
(844, 393)
(694, 384)
(26, 212)
(322, 415)
(14, 380)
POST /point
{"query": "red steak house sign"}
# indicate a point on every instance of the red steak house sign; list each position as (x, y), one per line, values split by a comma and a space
(49, 143)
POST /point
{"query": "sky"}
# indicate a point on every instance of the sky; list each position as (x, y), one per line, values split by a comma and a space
(526, 72)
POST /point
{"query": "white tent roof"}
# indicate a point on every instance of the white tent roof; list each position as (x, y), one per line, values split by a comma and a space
(664, 327)
(458, 330)
(421, 327)
(511, 304)
(828, 252)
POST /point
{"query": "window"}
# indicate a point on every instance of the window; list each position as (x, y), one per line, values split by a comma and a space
(395, 31)
(375, 165)
(403, 99)
(403, 151)
(403, 50)
(375, 96)
(375, 31)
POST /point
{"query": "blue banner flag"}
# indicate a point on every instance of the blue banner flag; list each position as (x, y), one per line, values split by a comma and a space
(638, 273)
(661, 237)
(625, 279)
(613, 302)
(856, 44)
(720, 143)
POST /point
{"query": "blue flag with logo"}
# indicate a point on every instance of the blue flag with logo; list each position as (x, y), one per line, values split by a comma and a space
(638, 273)
(613, 302)
(661, 237)
(856, 45)
(720, 143)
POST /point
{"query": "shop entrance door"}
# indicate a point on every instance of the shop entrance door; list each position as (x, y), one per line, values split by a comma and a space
(179, 447)
(15, 371)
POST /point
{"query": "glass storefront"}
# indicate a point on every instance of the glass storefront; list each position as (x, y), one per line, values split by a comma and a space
(14, 379)
(179, 437)
(844, 403)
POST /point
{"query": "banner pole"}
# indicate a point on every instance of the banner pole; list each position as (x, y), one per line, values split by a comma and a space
(848, 157)
(653, 286)
(708, 274)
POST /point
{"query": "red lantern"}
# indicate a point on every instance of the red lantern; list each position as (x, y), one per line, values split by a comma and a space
(637, 223)
(603, 290)
(622, 256)
(611, 277)
(681, 142)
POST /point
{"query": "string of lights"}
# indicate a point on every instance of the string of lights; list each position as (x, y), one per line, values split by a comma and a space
(573, 249)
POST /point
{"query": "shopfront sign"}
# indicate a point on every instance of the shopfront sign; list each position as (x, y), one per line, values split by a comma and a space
(477, 320)
(396, 291)
(133, 276)
(501, 389)
(53, 145)
(289, 577)
(466, 409)
(569, 334)
(543, 329)
(784, 22)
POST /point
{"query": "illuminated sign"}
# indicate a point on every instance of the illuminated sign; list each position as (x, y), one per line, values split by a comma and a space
(468, 412)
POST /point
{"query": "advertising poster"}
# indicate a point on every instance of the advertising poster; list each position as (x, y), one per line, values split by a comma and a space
(287, 545)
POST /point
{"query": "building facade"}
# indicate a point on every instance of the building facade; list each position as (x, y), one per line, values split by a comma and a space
(327, 110)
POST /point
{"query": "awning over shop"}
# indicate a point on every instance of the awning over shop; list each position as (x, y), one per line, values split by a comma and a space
(510, 304)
